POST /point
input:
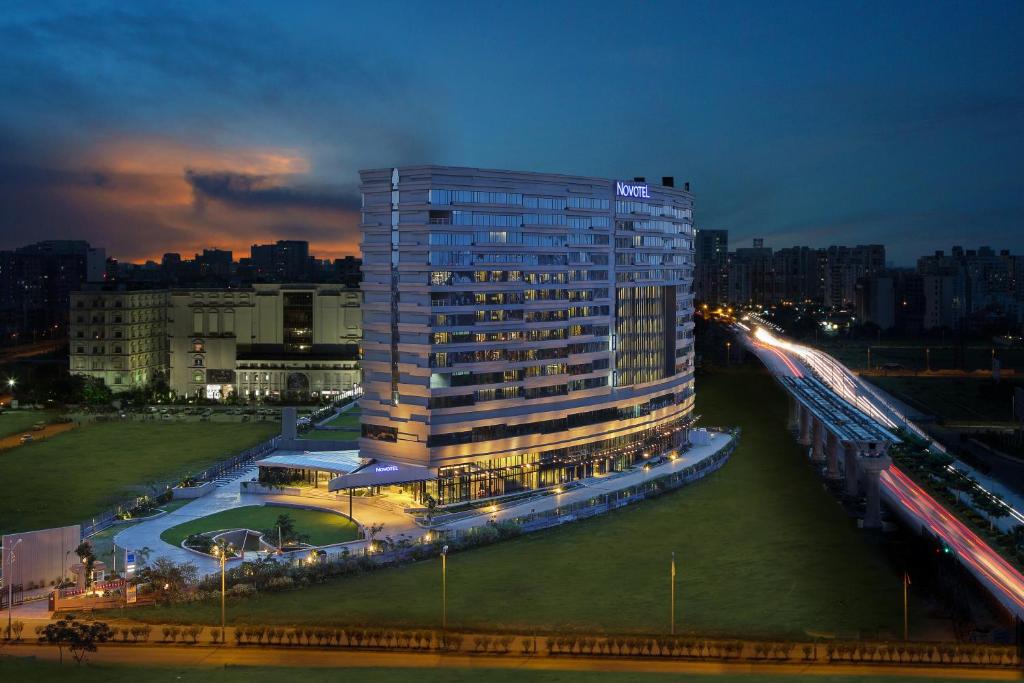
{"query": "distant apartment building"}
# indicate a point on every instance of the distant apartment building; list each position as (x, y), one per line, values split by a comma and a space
(36, 282)
(711, 255)
(876, 300)
(757, 275)
(799, 274)
(283, 261)
(265, 341)
(750, 277)
(844, 266)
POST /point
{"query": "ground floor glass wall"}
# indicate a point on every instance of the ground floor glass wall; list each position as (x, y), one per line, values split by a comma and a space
(487, 479)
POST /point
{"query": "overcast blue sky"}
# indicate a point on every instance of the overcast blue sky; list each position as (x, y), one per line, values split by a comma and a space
(149, 127)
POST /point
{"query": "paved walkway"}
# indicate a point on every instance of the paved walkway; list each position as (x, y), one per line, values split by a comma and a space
(368, 510)
(365, 511)
(594, 486)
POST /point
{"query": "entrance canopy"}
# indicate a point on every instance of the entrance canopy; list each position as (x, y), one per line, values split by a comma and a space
(382, 473)
(335, 462)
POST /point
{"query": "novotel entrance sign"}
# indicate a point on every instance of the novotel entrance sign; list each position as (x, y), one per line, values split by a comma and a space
(635, 190)
(386, 468)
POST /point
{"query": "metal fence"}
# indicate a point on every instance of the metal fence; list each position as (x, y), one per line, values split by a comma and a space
(232, 465)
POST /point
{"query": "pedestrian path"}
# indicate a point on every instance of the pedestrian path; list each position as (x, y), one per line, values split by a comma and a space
(593, 487)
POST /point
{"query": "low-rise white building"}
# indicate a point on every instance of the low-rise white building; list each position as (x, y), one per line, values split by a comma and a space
(267, 340)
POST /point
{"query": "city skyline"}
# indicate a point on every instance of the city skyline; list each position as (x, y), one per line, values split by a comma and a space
(150, 131)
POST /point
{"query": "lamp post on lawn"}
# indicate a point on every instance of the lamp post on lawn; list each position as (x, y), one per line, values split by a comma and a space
(444, 588)
(672, 580)
(222, 552)
(9, 577)
(906, 582)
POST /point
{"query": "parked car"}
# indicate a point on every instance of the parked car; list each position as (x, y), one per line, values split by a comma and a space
(38, 426)
(25, 438)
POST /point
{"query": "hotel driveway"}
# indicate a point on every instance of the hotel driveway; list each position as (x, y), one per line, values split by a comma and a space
(380, 509)
(365, 511)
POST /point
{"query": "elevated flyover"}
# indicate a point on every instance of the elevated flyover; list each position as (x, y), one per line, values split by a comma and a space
(835, 430)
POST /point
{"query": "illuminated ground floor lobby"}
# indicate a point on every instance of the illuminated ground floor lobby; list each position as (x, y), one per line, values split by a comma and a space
(497, 478)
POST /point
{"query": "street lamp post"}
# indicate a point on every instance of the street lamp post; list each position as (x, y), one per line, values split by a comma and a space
(444, 588)
(672, 582)
(222, 551)
(9, 578)
(906, 582)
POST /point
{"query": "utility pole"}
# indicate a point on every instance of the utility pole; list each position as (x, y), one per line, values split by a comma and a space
(672, 582)
(444, 589)
(9, 578)
(906, 582)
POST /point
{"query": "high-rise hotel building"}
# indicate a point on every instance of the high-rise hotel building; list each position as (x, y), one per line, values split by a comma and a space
(523, 330)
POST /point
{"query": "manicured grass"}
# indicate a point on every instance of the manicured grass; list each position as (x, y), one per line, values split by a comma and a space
(762, 549)
(953, 398)
(21, 421)
(910, 353)
(103, 542)
(349, 420)
(45, 672)
(73, 476)
(323, 528)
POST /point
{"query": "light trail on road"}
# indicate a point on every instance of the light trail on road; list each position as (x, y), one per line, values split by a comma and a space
(1001, 578)
(988, 565)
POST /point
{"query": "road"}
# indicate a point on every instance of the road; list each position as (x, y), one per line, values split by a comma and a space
(910, 501)
(189, 656)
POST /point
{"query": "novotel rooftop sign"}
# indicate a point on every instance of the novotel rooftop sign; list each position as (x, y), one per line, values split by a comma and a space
(386, 468)
(635, 190)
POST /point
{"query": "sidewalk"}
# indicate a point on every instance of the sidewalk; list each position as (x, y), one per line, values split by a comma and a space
(593, 487)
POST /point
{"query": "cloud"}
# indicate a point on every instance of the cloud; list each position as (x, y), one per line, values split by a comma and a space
(260, 192)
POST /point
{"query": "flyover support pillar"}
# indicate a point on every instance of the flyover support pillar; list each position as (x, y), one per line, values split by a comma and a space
(872, 468)
(805, 426)
(834, 448)
(816, 441)
(793, 421)
(850, 462)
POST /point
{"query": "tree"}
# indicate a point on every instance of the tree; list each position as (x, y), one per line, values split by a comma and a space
(431, 504)
(95, 392)
(170, 580)
(372, 531)
(80, 638)
(88, 558)
(284, 532)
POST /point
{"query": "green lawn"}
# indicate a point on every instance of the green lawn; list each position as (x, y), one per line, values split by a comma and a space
(18, 421)
(45, 672)
(73, 476)
(349, 420)
(762, 549)
(910, 353)
(323, 528)
(953, 398)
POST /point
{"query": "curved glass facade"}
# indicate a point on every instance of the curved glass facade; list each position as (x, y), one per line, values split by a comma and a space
(523, 330)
